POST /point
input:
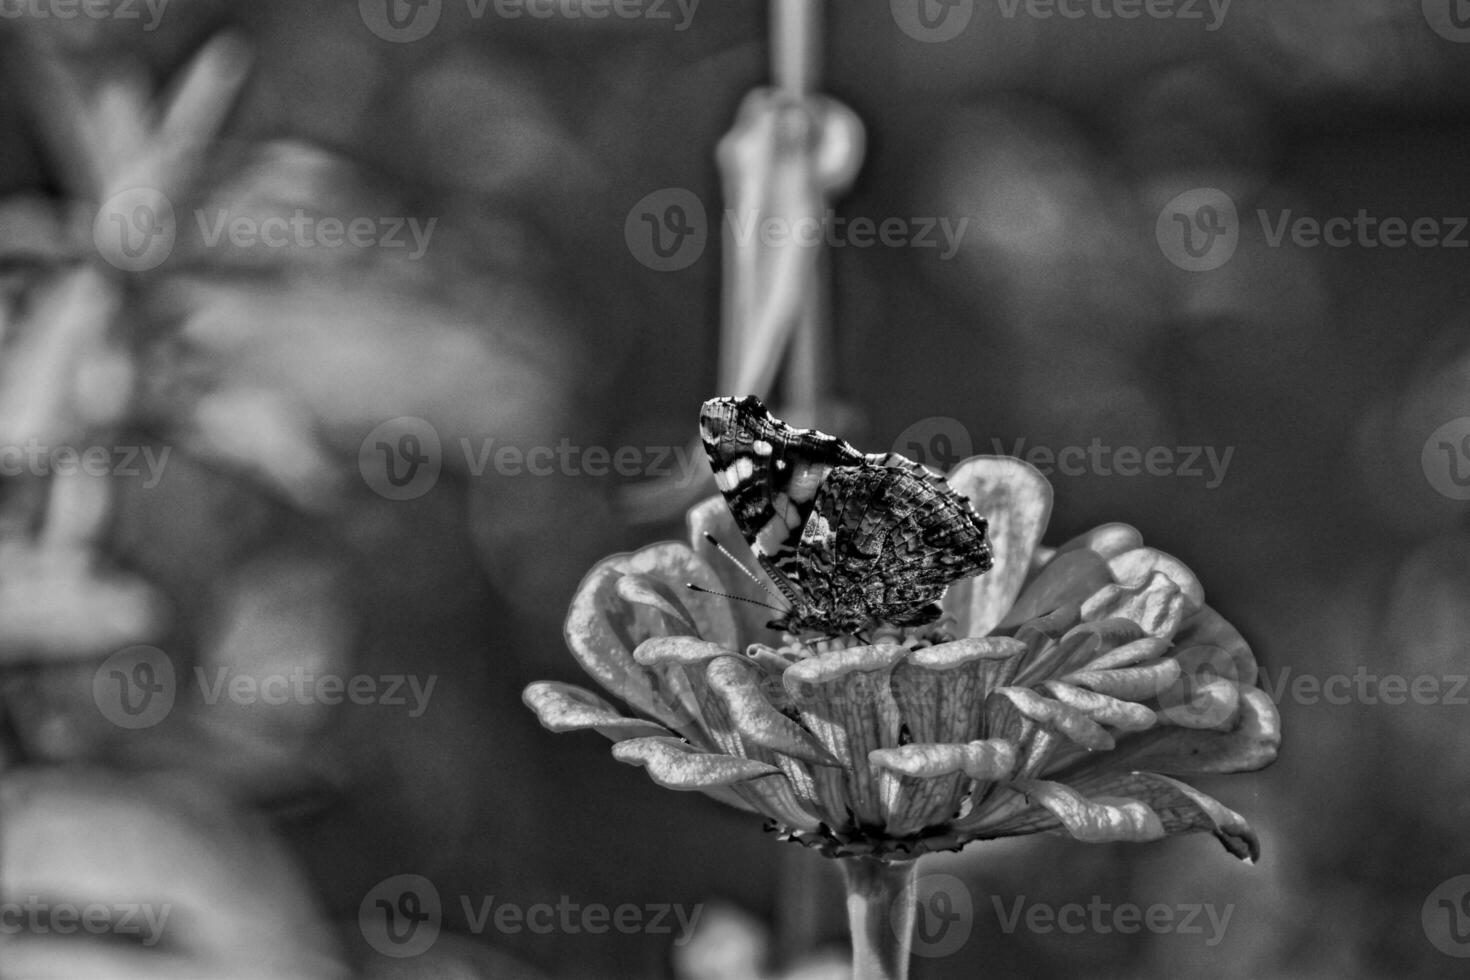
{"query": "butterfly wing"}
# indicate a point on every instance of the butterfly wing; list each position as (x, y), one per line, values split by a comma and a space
(770, 474)
(892, 538)
(850, 539)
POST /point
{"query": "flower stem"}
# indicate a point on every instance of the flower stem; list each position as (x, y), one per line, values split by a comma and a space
(880, 914)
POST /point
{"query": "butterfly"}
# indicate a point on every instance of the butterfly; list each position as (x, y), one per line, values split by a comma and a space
(852, 540)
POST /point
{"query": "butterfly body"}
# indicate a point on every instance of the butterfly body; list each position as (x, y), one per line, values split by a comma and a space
(852, 540)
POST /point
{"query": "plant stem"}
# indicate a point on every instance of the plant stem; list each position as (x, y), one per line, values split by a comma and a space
(880, 914)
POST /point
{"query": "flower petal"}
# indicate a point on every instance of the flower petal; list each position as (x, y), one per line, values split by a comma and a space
(1182, 809)
(568, 708)
(1094, 821)
(991, 759)
(675, 764)
(1016, 501)
(712, 518)
(941, 690)
(603, 626)
(1206, 694)
(1129, 683)
(738, 684)
(682, 651)
(1125, 716)
(1157, 605)
(1055, 716)
(924, 784)
(1106, 540)
(1136, 567)
(1066, 580)
(845, 699)
(1206, 627)
(1251, 745)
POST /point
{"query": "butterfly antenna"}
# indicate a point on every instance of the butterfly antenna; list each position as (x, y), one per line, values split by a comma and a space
(765, 586)
(738, 598)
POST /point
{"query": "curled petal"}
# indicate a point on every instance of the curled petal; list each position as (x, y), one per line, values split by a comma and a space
(1207, 627)
(837, 664)
(1136, 567)
(638, 589)
(1182, 809)
(1251, 745)
(1069, 579)
(1123, 715)
(683, 651)
(1157, 605)
(1094, 821)
(1137, 652)
(1016, 501)
(675, 764)
(739, 685)
(1129, 683)
(1206, 695)
(602, 627)
(1107, 540)
(948, 656)
(991, 759)
(1058, 717)
(846, 700)
(568, 708)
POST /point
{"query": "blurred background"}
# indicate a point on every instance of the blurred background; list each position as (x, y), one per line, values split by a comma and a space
(251, 252)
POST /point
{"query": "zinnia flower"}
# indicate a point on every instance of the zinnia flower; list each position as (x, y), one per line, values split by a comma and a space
(1063, 691)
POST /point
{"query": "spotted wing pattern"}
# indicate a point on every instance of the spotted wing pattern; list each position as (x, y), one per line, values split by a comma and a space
(853, 541)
